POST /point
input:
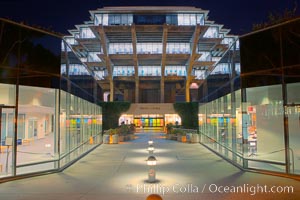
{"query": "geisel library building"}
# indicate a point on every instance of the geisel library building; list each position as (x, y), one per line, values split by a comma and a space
(247, 86)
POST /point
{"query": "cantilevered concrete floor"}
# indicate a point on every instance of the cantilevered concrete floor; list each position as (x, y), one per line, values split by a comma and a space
(184, 171)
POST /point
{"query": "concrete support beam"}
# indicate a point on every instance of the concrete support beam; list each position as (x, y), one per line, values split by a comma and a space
(163, 63)
(135, 62)
(104, 44)
(193, 57)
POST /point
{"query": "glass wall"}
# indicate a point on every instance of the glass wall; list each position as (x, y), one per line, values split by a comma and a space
(80, 127)
(149, 70)
(123, 71)
(177, 48)
(151, 48)
(205, 56)
(51, 97)
(252, 118)
(175, 70)
(190, 19)
(86, 32)
(119, 19)
(93, 57)
(212, 32)
(264, 127)
(221, 127)
(120, 48)
(36, 128)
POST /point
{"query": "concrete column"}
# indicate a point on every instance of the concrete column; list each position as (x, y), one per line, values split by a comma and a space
(162, 90)
(137, 87)
(187, 91)
(111, 90)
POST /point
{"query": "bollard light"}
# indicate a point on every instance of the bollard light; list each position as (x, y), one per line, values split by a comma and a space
(151, 162)
(150, 148)
(150, 142)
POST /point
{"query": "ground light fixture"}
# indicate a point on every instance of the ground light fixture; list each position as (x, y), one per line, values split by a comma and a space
(151, 149)
(150, 142)
(151, 162)
(154, 197)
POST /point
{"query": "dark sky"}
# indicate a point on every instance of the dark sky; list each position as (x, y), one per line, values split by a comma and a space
(61, 15)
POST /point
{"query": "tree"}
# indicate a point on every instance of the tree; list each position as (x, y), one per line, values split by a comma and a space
(277, 17)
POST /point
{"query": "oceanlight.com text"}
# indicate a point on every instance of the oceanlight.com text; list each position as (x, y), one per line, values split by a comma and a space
(213, 188)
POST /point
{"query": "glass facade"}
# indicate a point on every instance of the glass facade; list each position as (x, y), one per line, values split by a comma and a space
(251, 117)
(51, 97)
(185, 19)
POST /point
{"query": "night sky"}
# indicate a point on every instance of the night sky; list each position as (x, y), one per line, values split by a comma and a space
(61, 15)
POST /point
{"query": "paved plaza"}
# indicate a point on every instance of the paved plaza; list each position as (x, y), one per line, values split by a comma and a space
(184, 171)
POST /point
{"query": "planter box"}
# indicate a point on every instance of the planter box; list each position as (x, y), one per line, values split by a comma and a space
(115, 139)
(106, 139)
(189, 137)
(168, 136)
(131, 136)
(178, 138)
(195, 138)
(121, 138)
(181, 138)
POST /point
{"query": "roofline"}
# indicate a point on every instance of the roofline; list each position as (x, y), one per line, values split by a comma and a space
(59, 35)
(152, 9)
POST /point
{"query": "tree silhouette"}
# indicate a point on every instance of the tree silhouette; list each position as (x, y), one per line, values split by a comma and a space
(277, 17)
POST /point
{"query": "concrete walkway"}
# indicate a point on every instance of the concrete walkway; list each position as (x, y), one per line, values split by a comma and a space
(183, 172)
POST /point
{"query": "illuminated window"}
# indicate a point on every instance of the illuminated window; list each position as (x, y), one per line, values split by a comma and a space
(238, 68)
(172, 19)
(98, 19)
(187, 19)
(74, 69)
(205, 56)
(64, 45)
(149, 70)
(71, 40)
(120, 19)
(123, 71)
(212, 32)
(149, 48)
(221, 68)
(86, 33)
(229, 41)
(99, 75)
(175, 71)
(237, 45)
(78, 69)
(178, 48)
(216, 59)
(200, 74)
(105, 19)
(120, 48)
(93, 57)
(200, 19)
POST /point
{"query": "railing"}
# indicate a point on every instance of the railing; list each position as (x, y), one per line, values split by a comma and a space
(278, 163)
(187, 130)
(212, 140)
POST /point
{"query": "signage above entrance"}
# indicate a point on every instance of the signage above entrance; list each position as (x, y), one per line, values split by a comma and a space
(151, 108)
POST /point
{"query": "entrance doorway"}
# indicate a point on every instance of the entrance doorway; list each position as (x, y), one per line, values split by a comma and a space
(32, 128)
(149, 121)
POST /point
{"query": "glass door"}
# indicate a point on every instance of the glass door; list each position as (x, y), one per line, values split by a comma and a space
(32, 128)
(7, 137)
